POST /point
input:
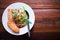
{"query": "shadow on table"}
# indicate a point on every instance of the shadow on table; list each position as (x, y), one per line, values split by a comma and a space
(34, 36)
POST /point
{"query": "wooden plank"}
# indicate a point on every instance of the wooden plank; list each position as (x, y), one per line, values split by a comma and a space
(47, 13)
(34, 36)
(33, 3)
(47, 20)
(1, 26)
(45, 35)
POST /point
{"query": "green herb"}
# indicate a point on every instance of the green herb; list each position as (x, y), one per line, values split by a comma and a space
(14, 15)
(25, 17)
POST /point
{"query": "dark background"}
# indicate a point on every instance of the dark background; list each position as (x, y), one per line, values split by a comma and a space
(47, 20)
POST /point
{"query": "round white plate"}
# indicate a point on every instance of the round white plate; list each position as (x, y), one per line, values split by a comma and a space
(24, 29)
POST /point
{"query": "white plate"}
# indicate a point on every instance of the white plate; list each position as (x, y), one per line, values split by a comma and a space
(24, 29)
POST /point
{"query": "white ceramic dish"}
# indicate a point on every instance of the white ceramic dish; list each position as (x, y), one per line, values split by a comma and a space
(24, 29)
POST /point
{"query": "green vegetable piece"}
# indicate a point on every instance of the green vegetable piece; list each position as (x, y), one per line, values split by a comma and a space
(14, 15)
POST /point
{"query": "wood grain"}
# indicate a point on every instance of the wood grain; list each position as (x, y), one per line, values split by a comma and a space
(47, 20)
(33, 3)
(34, 36)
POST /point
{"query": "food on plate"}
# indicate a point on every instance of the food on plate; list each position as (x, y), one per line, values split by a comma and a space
(11, 24)
(17, 18)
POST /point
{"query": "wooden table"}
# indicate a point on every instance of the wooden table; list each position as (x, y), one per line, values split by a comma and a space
(47, 20)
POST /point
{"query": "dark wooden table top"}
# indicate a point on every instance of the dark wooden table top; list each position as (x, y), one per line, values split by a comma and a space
(47, 20)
